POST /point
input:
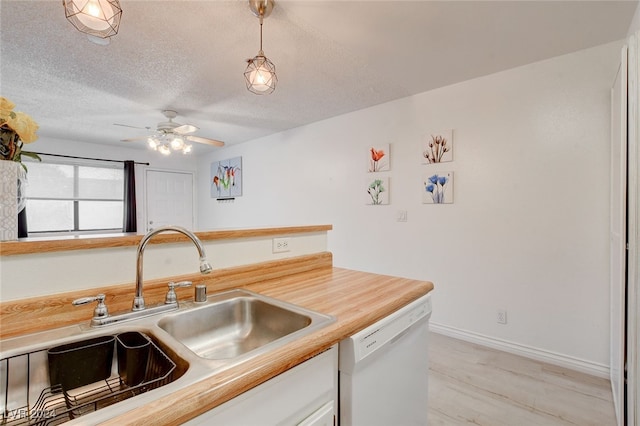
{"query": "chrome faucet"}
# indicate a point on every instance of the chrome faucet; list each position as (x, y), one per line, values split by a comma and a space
(205, 266)
(101, 315)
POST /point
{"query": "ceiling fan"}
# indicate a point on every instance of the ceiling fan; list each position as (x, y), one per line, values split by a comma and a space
(174, 136)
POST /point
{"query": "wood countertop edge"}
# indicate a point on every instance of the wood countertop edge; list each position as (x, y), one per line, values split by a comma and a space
(48, 245)
(381, 295)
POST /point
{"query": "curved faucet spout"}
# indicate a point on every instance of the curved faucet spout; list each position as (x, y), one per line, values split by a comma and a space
(205, 266)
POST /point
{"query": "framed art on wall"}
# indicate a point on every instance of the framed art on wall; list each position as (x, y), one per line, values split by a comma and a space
(226, 178)
(377, 191)
(378, 158)
(438, 147)
(437, 188)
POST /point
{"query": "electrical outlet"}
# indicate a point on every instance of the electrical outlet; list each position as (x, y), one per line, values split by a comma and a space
(281, 245)
(501, 316)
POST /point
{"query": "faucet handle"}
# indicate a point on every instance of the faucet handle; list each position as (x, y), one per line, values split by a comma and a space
(171, 294)
(101, 309)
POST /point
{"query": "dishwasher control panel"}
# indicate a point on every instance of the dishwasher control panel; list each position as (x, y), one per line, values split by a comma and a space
(385, 331)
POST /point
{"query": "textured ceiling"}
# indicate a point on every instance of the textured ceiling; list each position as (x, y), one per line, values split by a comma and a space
(331, 57)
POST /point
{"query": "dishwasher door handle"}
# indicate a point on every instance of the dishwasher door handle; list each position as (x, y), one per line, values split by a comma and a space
(399, 336)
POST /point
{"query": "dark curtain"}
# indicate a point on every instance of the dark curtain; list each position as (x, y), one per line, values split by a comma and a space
(129, 198)
(22, 224)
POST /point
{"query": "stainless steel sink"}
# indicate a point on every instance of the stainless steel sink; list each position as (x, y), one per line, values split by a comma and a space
(239, 322)
(200, 339)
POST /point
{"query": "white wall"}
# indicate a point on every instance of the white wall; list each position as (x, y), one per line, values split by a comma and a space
(635, 22)
(528, 231)
(86, 269)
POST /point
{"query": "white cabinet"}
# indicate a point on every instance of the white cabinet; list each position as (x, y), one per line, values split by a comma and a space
(324, 416)
(304, 395)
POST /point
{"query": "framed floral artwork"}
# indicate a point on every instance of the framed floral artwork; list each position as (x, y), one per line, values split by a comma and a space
(226, 178)
(437, 188)
(378, 158)
(377, 191)
(437, 147)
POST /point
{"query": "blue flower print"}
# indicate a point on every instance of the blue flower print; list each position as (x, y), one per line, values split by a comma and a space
(435, 187)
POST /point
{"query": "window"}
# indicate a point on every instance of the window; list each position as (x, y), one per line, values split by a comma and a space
(74, 198)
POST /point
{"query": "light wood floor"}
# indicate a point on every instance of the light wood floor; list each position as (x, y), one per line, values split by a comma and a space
(472, 384)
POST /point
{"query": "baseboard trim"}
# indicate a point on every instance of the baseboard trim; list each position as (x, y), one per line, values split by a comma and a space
(577, 364)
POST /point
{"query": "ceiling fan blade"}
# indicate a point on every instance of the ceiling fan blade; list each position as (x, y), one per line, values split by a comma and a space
(185, 128)
(142, 138)
(206, 141)
(133, 127)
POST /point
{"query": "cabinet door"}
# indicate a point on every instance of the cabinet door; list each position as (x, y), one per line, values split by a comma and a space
(287, 399)
(325, 416)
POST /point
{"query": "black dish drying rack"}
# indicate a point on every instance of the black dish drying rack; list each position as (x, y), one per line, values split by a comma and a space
(55, 405)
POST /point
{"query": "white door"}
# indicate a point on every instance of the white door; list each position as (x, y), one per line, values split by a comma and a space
(625, 234)
(617, 234)
(633, 232)
(169, 196)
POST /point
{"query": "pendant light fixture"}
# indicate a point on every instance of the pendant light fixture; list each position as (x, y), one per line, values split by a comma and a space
(96, 18)
(260, 74)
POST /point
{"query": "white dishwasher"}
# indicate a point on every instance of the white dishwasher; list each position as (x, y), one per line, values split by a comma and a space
(384, 370)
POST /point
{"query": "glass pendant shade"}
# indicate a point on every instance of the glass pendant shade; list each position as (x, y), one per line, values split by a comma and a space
(152, 143)
(260, 75)
(177, 143)
(164, 150)
(98, 18)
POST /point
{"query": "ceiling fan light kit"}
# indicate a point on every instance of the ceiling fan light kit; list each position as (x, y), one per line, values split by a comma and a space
(173, 137)
(97, 18)
(167, 143)
(260, 75)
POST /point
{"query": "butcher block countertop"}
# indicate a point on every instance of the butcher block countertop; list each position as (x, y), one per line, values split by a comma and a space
(356, 299)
